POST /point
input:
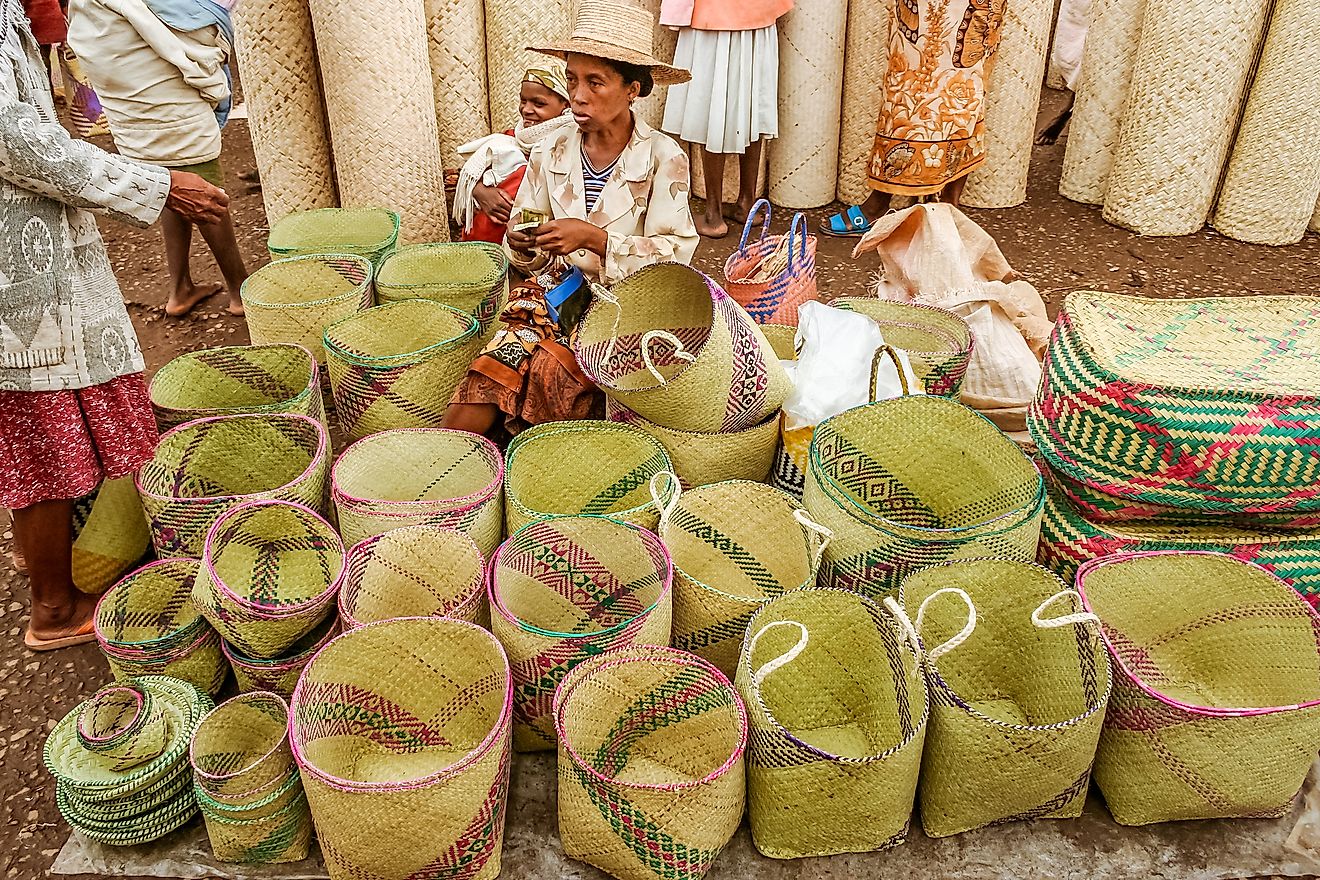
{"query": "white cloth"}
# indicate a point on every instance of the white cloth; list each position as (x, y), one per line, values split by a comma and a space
(494, 158)
(1070, 40)
(733, 98)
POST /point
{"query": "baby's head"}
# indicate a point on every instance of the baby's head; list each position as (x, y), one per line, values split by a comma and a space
(544, 93)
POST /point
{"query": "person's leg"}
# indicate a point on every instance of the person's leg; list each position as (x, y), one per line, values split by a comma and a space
(749, 172)
(222, 241)
(477, 418)
(44, 531)
(184, 294)
(953, 190)
(1050, 133)
(711, 224)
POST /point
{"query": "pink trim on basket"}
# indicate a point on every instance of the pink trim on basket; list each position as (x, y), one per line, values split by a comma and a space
(115, 647)
(1208, 711)
(351, 585)
(160, 662)
(475, 499)
(257, 667)
(139, 700)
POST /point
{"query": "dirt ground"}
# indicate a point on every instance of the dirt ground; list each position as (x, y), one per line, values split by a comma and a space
(1056, 244)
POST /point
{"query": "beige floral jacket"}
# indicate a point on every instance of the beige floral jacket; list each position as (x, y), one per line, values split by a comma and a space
(643, 207)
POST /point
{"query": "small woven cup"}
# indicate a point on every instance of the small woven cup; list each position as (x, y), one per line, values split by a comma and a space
(122, 722)
(240, 750)
(415, 571)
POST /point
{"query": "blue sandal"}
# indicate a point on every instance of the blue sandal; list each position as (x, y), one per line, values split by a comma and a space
(851, 223)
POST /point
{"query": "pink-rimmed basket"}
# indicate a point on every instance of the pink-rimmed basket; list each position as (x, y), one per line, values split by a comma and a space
(280, 675)
(415, 571)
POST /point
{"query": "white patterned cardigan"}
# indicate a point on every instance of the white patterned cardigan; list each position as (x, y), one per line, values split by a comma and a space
(63, 324)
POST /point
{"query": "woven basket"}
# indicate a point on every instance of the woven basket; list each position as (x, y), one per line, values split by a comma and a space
(435, 757)
(588, 468)
(1204, 404)
(866, 61)
(1018, 688)
(701, 459)
(782, 339)
(270, 573)
(938, 343)
(372, 233)
(421, 475)
(240, 750)
(565, 589)
(204, 468)
(472, 277)
(837, 727)
(397, 365)
(294, 300)
(280, 675)
(673, 347)
(776, 299)
(912, 481)
(1216, 711)
(456, 32)
(236, 379)
(277, 836)
(415, 571)
(651, 744)
(123, 723)
(147, 625)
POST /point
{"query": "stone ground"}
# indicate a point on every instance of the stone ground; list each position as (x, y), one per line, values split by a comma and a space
(1056, 244)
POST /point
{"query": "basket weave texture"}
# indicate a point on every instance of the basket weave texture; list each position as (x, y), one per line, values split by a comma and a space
(372, 233)
(236, 379)
(701, 459)
(279, 675)
(866, 60)
(293, 300)
(472, 277)
(456, 38)
(415, 571)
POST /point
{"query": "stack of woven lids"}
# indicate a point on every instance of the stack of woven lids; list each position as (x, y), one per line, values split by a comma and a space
(120, 760)
(1183, 425)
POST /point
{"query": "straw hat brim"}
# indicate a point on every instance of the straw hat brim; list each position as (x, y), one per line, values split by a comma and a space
(664, 74)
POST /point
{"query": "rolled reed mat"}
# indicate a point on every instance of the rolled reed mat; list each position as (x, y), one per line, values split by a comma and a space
(512, 26)
(456, 36)
(286, 118)
(1315, 218)
(381, 105)
(652, 108)
(1102, 94)
(863, 82)
(731, 174)
(1192, 66)
(1269, 194)
(804, 159)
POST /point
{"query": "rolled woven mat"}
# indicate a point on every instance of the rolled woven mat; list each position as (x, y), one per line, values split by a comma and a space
(1192, 66)
(651, 109)
(1315, 219)
(804, 159)
(1273, 177)
(1012, 100)
(381, 102)
(286, 118)
(732, 175)
(863, 79)
(456, 36)
(512, 26)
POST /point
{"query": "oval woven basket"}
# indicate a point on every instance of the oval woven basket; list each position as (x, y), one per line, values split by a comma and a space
(582, 468)
(280, 674)
(938, 342)
(701, 459)
(397, 365)
(1231, 673)
(240, 750)
(421, 475)
(415, 571)
(837, 727)
(436, 757)
(371, 233)
(568, 588)
(472, 277)
(295, 299)
(204, 468)
(680, 784)
(227, 381)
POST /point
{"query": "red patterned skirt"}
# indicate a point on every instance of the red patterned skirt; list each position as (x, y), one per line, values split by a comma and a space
(57, 445)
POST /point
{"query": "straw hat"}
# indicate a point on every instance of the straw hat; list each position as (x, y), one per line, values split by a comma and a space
(617, 30)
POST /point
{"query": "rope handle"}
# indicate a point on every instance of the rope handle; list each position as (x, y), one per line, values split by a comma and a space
(783, 659)
(599, 291)
(666, 507)
(751, 219)
(905, 625)
(797, 234)
(816, 532)
(679, 351)
(898, 366)
(939, 651)
(1077, 617)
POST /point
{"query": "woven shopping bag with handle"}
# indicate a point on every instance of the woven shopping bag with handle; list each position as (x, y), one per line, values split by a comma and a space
(235, 379)
(775, 274)
(433, 754)
(651, 752)
(1018, 680)
(415, 571)
(371, 233)
(295, 299)
(1216, 706)
(838, 709)
(700, 459)
(472, 277)
(565, 589)
(937, 342)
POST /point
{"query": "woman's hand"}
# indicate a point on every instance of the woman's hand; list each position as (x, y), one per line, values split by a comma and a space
(493, 202)
(192, 198)
(523, 242)
(562, 237)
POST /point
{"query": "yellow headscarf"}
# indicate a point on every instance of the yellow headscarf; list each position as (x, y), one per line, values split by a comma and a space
(551, 76)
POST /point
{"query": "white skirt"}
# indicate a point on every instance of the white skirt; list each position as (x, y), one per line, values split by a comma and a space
(733, 98)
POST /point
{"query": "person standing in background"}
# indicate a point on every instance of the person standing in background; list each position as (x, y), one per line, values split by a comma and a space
(1066, 57)
(48, 25)
(731, 106)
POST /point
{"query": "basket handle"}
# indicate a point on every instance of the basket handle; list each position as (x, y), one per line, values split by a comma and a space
(679, 351)
(797, 235)
(783, 659)
(898, 366)
(599, 291)
(751, 219)
(939, 651)
(905, 624)
(666, 507)
(816, 533)
(1077, 617)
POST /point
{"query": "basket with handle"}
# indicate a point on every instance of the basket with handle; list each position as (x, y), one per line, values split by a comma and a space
(651, 758)
(204, 468)
(568, 588)
(700, 459)
(472, 277)
(412, 476)
(775, 274)
(1018, 680)
(668, 343)
(837, 703)
(435, 757)
(397, 365)
(415, 571)
(279, 675)
(582, 468)
(280, 378)
(937, 342)
(371, 233)
(294, 300)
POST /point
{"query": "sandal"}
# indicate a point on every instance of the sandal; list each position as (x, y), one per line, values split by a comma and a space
(850, 223)
(81, 636)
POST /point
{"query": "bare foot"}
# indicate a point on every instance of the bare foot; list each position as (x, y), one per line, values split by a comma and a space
(716, 228)
(180, 304)
(738, 212)
(235, 305)
(60, 627)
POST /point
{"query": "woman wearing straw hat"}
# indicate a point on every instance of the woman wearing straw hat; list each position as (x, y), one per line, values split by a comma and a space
(601, 199)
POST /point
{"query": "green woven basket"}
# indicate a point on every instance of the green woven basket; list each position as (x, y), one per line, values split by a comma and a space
(372, 233)
(938, 343)
(240, 750)
(237, 379)
(173, 787)
(397, 365)
(133, 830)
(702, 459)
(294, 300)
(415, 571)
(472, 277)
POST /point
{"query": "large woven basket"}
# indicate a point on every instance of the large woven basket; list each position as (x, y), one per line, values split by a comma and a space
(435, 756)
(294, 300)
(279, 675)
(270, 573)
(472, 277)
(582, 468)
(204, 468)
(372, 233)
(397, 365)
(938, 343)
(700, 459)
(565, 589)
(1019, 683)
(838, 710)
(908, 482)
(651, 757)
(415, 571)
(236, 379)
(421, 475)
(1205, 404)
(1216, 706)
(672, 346)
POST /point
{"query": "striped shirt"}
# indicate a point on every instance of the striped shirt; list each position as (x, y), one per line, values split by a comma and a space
(595, 180)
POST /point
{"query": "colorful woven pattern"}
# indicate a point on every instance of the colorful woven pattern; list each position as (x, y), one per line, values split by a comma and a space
(1216, 706)
(701, 459)
(403, 726)
(651, 744)
(938, 343)
(789, 259)
(565, 589)
(279, 675)
(415, 571)
(372, 233)
(237, 379)
(294, 300)
(472, 277)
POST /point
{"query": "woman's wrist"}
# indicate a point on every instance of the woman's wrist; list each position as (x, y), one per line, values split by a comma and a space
(600, 241)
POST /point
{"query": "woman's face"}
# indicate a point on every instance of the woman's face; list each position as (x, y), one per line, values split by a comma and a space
(537, 104)
(600, 96)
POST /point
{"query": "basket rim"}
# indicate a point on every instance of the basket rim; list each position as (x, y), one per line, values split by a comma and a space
(494, 251)
(364, 549)
(619, 413)
(297, 805)
(244, 698)
(966, 340)
(177, 363)
(166, 641)
(454, 505)
(395, 218)
(1087, 568)
(649, 654)
(334, 349)
(357, 291)
(238, 659)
